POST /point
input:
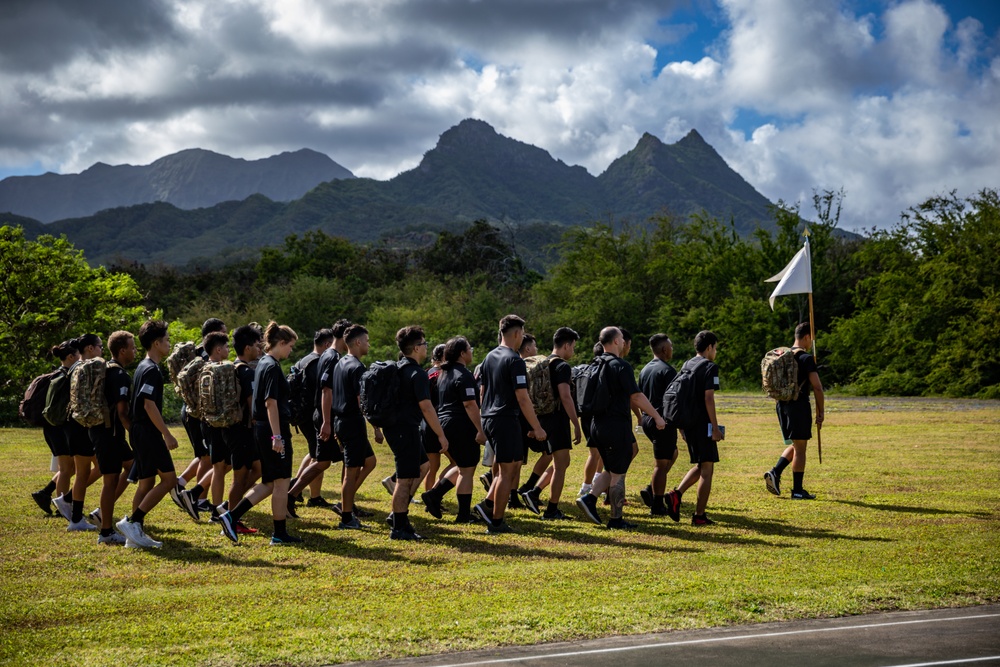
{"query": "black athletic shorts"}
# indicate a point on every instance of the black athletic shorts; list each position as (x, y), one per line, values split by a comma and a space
(352, 433)
(557, 431)
(407, 449)
(664, 442)
(151, 453)
(111, 449)
(327, 450)
(613, 439)
(430, 440)
(701, 447)
(308, 432)
(795, 419)
(218, 448)
(530, 444)
(504, 433)
(462, 445)
(79, 439)
(192, 427)
(242, 448)
(586, 421)
(272, 464)
(56, 439)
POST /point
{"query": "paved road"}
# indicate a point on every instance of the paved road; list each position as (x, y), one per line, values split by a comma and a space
(969, 636)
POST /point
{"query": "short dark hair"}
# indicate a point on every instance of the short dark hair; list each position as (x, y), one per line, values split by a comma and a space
(626, 334)
(508, 322)
(84, 341)
(118, 341)
(705, 340)
(564, 335)
(245, 336)
(340, 327)
(803, 329)
(608, 335)
(212, 325)
(407, 337)
(526, 341)
(438, 354)
(455, 348)
(354, 332)
(323, 336)
(150, 332)
(657, 341)
(63, 350)
(213, 340)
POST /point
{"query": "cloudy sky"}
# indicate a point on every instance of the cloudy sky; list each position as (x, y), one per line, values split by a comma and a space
(892, 100)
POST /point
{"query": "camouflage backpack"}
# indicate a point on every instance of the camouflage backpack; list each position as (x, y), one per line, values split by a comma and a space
(180, 357)
(219, 394)
(87, 404)
(187, 386)
(779, 372)
(540, 389)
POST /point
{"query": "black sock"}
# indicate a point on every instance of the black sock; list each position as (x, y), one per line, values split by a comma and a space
(242, 508)
(137, 516)
(196, 493)
(797, 480)
(464, 506)
(346, 516)
(488, 503)
(401, 520)
(497, 522)
(68, 496)
(49, 488)
(658, 500)
(279, 528)
(443, 487)
(552, 507)
(780, 465)
(77, 511)
(530, 484)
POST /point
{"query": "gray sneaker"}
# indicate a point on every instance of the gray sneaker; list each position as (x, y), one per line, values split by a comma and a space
(113, 538)
(65, 507)
(353, 524)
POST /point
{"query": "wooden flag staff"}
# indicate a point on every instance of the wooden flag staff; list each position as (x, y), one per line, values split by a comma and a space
(812, 330)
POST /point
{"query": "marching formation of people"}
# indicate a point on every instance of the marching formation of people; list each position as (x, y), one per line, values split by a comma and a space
(439, 425)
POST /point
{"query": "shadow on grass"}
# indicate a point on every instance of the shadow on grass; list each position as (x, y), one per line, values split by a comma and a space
(227, 554)
(908, 509)
(779, 527)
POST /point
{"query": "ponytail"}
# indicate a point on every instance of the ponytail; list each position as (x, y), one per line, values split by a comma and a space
(278, 333)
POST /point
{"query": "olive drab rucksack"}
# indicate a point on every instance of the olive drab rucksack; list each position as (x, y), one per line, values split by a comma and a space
(88, 405)
(779, 370)
(540, 389)
(380, 393)
(56, 410)
(188, 386)
(219, 394)
(32, 407)
(180, 357)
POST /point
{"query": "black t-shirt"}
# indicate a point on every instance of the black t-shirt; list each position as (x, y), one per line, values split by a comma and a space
(706, 378)
(269, 382)
(347, 386)
(116, 389)
(807, 365)
(621, 384)
(311, 371)
(456, 386)
(433, 377)
(324, 373)
(147, 383)
(244, 378)
(502, 373)
(413, 388)
(559, 373)
(654, 378)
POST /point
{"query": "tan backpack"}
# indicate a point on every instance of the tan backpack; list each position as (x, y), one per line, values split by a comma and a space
(180, 357)
(87, 404)
(779, 372)
(219, 394)
(540, 389)
(187, 386)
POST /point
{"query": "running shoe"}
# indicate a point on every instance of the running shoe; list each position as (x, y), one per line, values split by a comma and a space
(647, 496)
(773, 482)
(80, 525)
(175, 495)
(64, 506)
(503, 528)
(620, 524)
(189, 504)
(113, 538)
(129, 530)
(554, 515)
(284, 540)
(702, 520)
(389, 485)
(43, 500)
(484, 512)
(320, 501)
(588, 505)
(432, 503)
(145, 540)
(228, 529)
(353, 524)
(410, 535)
(337, 508)
(290, 508)
(95, 517)
(673, 501)
(362, 513)
(531, 499)
(802, 494)
(514, 501)
(243, 529)
(486, 479)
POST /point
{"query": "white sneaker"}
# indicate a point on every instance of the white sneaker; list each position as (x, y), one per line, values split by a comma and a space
(145, 540)
(65, 507)
(130, 530)
(95, 516)
(113, 538)
(80, 525)
(389, 485)
(129, 544)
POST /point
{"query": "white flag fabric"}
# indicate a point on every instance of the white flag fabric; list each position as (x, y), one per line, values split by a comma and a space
(796, 277)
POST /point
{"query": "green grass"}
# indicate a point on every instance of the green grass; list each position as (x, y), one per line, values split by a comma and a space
(908, 517)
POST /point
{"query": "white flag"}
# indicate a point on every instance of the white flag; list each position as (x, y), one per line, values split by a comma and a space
(796, 278)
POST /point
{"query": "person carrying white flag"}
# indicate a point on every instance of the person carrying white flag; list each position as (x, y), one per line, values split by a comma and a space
(796, 277)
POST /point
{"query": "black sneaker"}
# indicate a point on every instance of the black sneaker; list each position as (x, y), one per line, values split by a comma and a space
(647, 496)
(702, 520)
(514, 502)
(228, 527)
(588, 505)
(318, 501)
(484, 512)
(388, 520)
(486, 479)
(353, 524)
(802, 494)
(337, 508)
(284, 540)
(673, 502)
(43, 500)
(189, 504)
(773, 482)
(531, 499)
(291, 507)
(553, 515)
(620, 524)
(503, 528)
(432, 503)
(658, 509)
(362, 513)
(410, 535)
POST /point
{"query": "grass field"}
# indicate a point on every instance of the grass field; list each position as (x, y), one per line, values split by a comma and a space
(908, 517)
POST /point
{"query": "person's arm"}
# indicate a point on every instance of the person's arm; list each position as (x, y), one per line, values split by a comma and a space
(710, 407)
(431, 417)
(157, 419)
(817, 386)
(121, 407)
(528, 410)
(566, 398)
(640, 404)
(475, 417)
(274, 419)
(326, 407)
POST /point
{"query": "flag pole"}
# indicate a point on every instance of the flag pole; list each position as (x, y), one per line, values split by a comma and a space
(812, 331)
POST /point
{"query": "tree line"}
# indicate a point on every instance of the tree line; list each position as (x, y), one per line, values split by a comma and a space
(910, 309)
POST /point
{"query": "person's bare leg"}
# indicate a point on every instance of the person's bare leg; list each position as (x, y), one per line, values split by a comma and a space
(704, 487)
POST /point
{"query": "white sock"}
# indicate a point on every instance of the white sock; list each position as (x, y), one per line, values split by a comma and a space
(183, 482)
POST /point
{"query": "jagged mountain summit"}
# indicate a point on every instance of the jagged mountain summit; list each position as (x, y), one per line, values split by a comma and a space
(189, 179)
